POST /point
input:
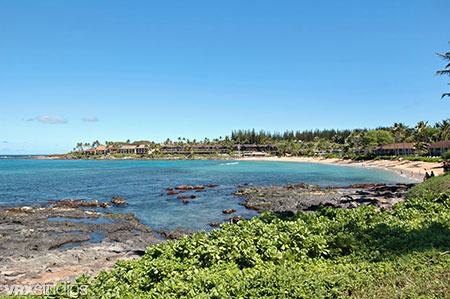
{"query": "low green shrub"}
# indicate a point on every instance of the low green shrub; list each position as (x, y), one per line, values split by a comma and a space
(446, 156)
(430, 187)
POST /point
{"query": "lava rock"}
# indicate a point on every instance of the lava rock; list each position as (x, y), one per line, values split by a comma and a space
(117, 200)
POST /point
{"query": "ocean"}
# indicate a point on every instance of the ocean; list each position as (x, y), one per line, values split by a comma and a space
(32, 182)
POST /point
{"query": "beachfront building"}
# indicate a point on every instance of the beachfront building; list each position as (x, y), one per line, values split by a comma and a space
(101, 150)
(111, 149)
(199, 149)
(266, 148)
(88, 152)
(127, 149)
(141, 149)
(255, 154)
(438, 148)
(396, 149)
(211, 149)
(173, 149)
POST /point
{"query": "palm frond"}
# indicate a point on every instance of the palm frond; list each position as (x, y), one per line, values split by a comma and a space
(443, 72)
(444, 56)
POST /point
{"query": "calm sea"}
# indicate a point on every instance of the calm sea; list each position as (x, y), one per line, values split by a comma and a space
(31, 182)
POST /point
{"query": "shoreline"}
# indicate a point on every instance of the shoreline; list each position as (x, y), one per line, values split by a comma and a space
(414, 170)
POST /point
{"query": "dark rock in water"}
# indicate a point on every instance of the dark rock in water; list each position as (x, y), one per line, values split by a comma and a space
(169, 189)
(185, 187)
(117, 200)
(212, 186)
(309, 198)
(189, 187)
(186, 196)
(214, 224)
(173, 193)
(228, 211)
(176, 234)
(185, 201)
(78, 203)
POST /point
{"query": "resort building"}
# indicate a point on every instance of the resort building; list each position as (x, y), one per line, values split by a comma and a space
(208, 149)
(183, 149)
(267, 148)
(396, 149)
(127, 149)
(438, 148)
(101, 150)
(141, 149)
(88, 152)
(255, 154)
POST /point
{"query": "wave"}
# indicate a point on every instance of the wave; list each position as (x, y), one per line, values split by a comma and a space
(229, 163)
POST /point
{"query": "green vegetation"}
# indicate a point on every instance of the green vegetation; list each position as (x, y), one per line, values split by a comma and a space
(357, 253)
(410, 158)
(430, 188)
(358, 144)
(446, 156)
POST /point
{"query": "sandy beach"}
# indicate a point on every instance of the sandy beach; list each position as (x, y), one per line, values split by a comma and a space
(412, 169)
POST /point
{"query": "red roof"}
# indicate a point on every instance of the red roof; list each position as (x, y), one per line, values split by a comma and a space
(396, 146)
(440, 144)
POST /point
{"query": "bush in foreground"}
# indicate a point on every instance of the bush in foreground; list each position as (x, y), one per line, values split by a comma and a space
(359, 253)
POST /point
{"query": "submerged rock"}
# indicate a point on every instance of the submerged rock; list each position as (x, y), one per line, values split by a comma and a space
(186, 196)
(117, 200)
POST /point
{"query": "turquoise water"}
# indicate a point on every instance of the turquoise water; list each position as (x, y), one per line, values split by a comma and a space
(31, 182)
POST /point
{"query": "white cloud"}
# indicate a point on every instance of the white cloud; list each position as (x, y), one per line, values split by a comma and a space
(90, 118)
(51, 119)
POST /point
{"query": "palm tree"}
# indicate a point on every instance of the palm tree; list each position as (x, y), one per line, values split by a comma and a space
(95, 144)
(445, 71)
(421, 137)
(79, 146)
(444, 128)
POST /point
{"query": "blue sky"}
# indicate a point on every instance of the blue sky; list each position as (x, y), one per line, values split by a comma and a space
(80, 70)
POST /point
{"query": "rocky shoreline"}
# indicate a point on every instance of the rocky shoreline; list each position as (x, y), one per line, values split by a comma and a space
(67, 238)
(308, 198)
